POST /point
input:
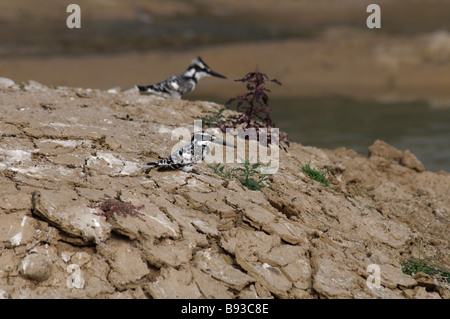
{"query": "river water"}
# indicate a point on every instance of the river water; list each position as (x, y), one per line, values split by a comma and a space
(333, 122)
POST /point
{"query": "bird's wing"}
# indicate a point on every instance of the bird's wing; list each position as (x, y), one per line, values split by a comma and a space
(174, 86)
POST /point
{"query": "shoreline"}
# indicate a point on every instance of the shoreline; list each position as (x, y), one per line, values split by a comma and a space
(362, 65)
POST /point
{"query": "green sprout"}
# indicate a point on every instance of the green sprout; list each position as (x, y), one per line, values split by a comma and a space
(316, 175)
(248, 175)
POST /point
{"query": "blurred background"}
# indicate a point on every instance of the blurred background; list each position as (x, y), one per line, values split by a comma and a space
(344, 85)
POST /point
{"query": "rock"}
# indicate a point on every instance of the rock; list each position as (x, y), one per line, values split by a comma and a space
(17, 229)
(210, 287)
(409, 160)
(174, 284)
(294, 263)
(422, 293)
(431, 284)
(275, 223)
(424, 280)
(443, 291)
(333, 278)
(77, 220)
(112, 164)
(405, 158)
(94, 277)
(127, 266)
(388, 232)
(13, 202)
(80, 258)
(393, 277)
(264, 243)
(249, 293)
(215, 264)
(206, 229)
(150, 223)
(272, 278)
(382, 149)
(36, 267)
(167, 253)
(3, 294)
(8, 262)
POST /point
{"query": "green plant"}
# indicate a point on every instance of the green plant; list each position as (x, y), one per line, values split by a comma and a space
(316, 175)
(248, 175)
(214, 118)
(412, 266)
(221, 171)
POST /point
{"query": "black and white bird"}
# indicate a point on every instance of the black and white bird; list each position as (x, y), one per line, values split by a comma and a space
(187, 156)
(178, 85)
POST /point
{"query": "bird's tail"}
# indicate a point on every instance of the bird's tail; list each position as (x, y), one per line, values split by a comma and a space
(141, 87)
(152, 164)
(145, 90)
(149, 166)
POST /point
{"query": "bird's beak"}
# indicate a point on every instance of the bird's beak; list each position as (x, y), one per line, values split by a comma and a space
(212, 73)
(222, 142)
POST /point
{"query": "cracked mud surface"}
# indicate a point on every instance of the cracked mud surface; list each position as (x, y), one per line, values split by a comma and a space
(199, 236)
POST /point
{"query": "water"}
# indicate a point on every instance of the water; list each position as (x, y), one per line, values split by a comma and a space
(333, 122)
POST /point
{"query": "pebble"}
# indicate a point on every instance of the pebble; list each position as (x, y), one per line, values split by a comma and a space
(36, 267)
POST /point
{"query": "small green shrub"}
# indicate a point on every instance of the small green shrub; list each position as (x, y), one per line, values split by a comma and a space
(215, 118)
(248, 175)
(316, 175)
(411, 267)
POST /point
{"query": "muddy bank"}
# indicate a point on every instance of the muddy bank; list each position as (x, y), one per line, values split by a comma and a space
(62, 150)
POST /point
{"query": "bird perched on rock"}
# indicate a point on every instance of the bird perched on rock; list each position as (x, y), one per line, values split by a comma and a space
(178, 85)
(187, 156)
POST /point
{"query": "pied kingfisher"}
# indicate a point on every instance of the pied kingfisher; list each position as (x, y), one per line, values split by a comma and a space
(189, 155)
(180, 84)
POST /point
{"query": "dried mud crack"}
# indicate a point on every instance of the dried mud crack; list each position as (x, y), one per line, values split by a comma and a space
(63, 150)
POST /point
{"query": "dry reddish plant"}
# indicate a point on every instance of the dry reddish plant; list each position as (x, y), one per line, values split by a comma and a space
(110, 206)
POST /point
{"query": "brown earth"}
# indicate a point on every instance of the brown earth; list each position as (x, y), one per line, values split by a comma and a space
(199, 235)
